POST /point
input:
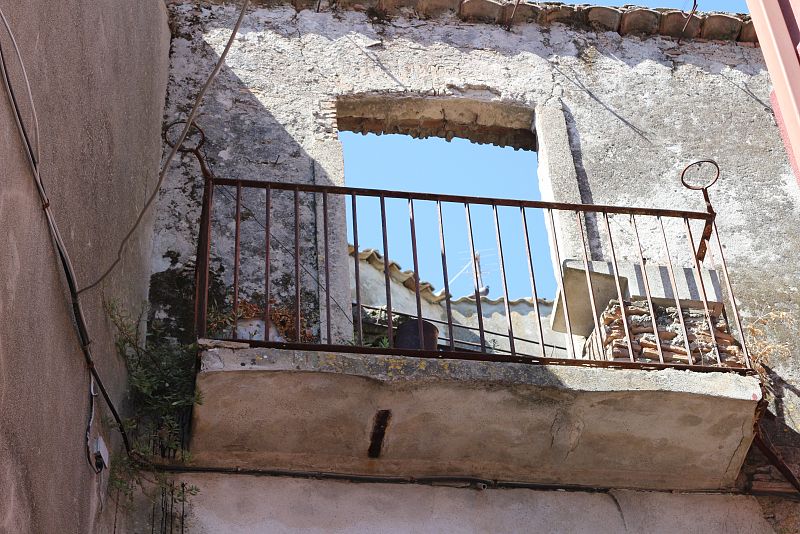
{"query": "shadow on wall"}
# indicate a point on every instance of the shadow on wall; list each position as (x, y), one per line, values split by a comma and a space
(760, 474)
(573, 57)
(244, 140)
(784, 438)
(584, 186)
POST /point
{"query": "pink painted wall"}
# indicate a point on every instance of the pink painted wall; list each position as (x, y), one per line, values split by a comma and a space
(778, 26)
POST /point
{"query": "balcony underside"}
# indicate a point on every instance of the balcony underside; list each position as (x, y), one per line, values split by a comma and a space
(418, 417)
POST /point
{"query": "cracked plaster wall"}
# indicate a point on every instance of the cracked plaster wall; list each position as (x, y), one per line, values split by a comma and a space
(617, 118)
(633, 112)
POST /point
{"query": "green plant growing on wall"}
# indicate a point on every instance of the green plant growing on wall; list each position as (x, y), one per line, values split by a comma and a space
(172, 296)
(161, 375)
(128, 477)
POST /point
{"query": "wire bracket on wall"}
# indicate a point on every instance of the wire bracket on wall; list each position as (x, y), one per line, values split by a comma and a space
(688, 20)
(702, 186)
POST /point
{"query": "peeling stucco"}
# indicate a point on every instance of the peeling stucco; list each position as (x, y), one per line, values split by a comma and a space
(617, 119)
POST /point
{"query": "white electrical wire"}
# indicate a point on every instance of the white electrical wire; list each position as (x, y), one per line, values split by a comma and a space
(175, 148)
(32, 155)
(27, 84)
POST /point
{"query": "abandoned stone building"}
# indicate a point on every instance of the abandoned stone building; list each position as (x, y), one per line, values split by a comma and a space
(333, 387)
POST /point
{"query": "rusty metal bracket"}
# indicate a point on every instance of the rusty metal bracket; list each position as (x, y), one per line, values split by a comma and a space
(764, 444)
(709, 227)
(510, 19)
(203, 250)
(688, 20)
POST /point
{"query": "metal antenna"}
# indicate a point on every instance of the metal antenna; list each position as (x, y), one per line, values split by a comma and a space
(484, 290)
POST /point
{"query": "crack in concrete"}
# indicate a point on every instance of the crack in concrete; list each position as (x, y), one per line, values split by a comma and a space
(619, 509)
(742, 442)
(553, 429)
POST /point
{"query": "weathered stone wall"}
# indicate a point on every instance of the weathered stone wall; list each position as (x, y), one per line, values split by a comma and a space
(98, 72)
(604, 105)
(616, 118)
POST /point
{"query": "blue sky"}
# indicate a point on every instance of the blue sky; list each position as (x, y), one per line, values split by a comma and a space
(731, 6)
(462, 168)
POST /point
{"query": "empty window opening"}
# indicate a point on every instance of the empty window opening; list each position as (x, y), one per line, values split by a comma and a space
(460, 167)
(456, 147)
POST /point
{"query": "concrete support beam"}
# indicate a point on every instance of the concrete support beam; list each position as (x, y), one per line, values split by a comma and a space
(540, 424)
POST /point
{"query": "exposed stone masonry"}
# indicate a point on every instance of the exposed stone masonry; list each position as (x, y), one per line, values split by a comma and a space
(498, 123)
(625, 20)
(670, 332)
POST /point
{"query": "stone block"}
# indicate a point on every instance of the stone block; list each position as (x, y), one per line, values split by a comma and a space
(357, 5)
(721, 27)
(433, 8)
(219, 344)
(748, 33)
(481, 10)
(558, 13)
(604, 289)
(639, 21)
(525, 12)
(300, 5)
(603, 18)
(546, 424)
(673, 23)
(392, 7)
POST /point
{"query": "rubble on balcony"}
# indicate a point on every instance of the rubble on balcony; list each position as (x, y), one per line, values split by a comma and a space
(670, 329)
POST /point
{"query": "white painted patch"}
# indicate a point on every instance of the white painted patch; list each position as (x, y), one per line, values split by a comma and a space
(792, 190)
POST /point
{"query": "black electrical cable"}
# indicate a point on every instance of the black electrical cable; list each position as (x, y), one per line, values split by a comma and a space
(27, 84)
(66, 264)
(432, 480)
(31, 155)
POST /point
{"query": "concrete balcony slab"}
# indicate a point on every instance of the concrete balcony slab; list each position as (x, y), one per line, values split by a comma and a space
(417, 417)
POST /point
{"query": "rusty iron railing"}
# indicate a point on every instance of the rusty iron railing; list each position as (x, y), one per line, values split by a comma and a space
(613, 342)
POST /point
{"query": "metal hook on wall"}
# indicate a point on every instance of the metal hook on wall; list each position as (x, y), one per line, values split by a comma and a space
(183, 147)
(195, 150)
(688, 20)
(703, 186)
